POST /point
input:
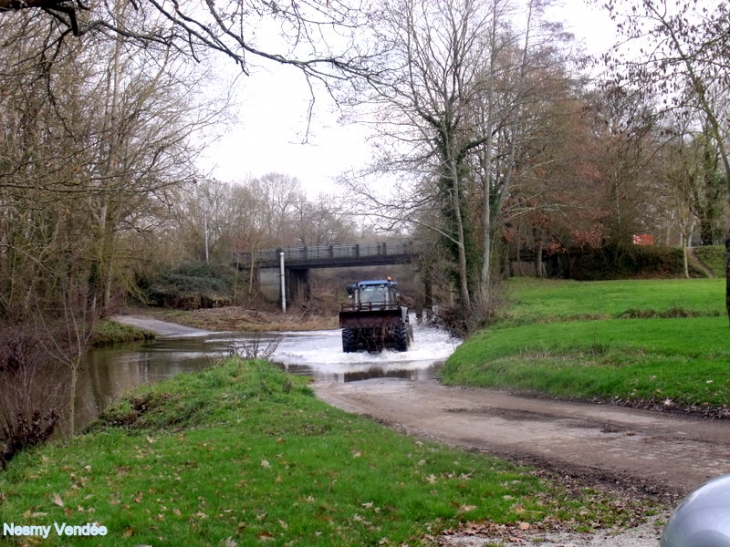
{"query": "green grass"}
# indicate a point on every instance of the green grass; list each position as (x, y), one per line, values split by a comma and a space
(713, 257)
(535, 300)
(107, 333)
(242, 454)
(641, 342)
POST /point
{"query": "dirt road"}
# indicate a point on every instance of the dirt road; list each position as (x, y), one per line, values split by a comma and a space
(643, 450)
(636, 450)
(649, 451)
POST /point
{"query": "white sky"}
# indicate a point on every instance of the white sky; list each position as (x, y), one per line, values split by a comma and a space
(273, 119)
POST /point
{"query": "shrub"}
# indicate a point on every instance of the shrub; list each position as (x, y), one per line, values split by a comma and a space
(193, 286)
(18, 435)
(610, 263)
(31, 382)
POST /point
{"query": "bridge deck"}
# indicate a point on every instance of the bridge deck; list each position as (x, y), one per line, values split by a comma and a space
(333, 256)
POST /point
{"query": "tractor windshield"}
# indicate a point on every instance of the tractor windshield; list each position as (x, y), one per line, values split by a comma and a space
(372, 294)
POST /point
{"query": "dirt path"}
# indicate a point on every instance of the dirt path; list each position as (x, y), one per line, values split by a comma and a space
(641, 450)
(638, 451)
(698, 263)
(161, 328)
(646, 451)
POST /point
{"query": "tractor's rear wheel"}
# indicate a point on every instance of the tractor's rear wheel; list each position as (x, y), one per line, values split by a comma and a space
(401, 338)
(348, 341)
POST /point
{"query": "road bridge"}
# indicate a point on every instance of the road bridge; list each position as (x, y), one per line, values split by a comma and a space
(288, 268)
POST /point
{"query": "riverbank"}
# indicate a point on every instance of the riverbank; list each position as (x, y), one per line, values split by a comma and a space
(242, 453)
(240, 319)
(113, 330)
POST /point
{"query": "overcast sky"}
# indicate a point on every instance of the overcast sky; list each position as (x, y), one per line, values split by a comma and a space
(272, 112)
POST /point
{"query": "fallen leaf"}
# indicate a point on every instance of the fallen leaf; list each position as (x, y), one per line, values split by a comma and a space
(265, 463)
(57, 500)
(524, 525)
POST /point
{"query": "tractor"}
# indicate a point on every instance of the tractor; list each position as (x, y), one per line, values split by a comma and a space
(374, 320)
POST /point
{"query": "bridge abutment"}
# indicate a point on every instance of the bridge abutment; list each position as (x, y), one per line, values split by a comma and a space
(298, 287)
(270, 283)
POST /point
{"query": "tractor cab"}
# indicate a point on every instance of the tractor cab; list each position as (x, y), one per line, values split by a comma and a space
(379, 294)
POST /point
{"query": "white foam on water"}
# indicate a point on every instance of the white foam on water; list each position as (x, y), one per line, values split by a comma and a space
(322, 350)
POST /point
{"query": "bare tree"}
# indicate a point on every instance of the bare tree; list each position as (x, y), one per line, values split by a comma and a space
(91, 152)
(452, 112)
(686, 59)
(316, 36)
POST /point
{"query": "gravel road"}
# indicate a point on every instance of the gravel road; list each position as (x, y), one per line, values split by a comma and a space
(639, 451)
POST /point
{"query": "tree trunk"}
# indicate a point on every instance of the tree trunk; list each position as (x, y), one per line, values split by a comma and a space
(72, 401)
(539, 268)
(727, 273)
(463, 270)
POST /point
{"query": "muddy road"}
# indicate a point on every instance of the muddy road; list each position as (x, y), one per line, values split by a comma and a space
(645, 451)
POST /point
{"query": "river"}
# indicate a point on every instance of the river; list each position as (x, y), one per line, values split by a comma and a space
(110, 372)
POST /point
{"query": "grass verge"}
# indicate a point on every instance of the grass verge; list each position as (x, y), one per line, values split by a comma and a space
(242, 454)
(107, 333)
(643, 343)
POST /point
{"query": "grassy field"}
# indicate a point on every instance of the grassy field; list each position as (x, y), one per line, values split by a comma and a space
(537, 300)
(661, 342)
(242, 455)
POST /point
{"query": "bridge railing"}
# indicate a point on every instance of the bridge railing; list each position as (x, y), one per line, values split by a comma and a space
(312, 255)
